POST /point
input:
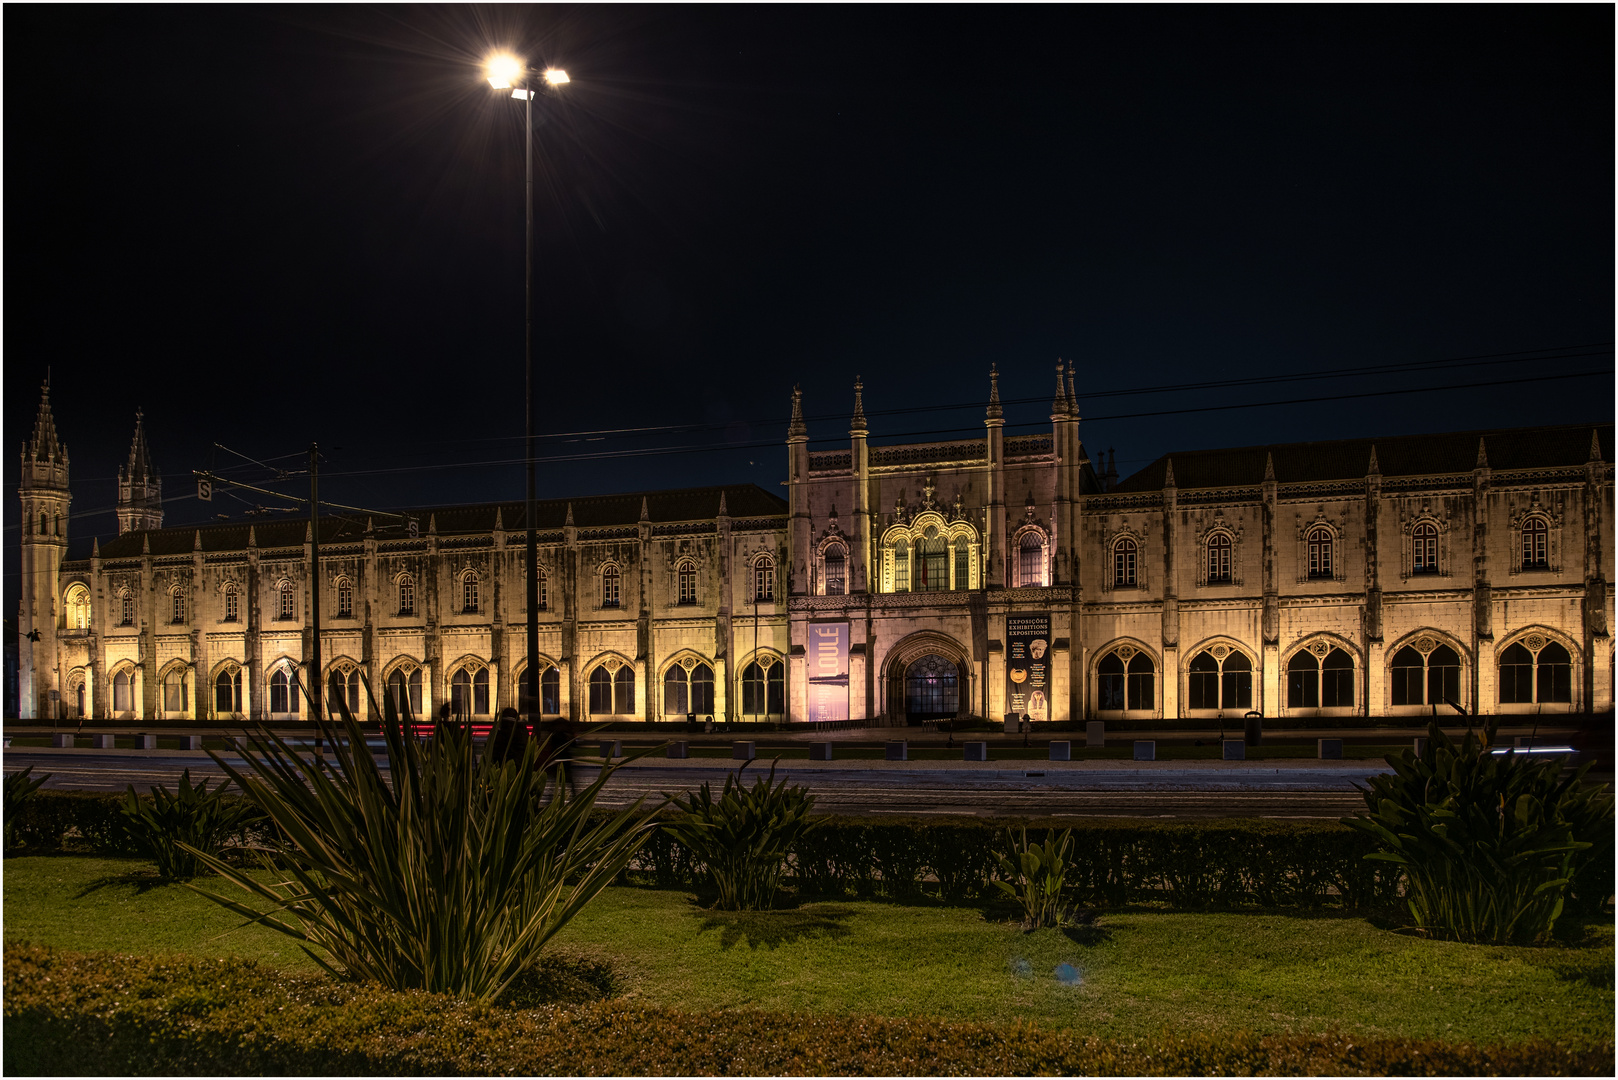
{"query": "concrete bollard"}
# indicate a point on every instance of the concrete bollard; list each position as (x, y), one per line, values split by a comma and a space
(680, 749)
(1235, 750)
(145, 742)
(1095, 734)
(62, 742)
(1329, 749)
(612, 749)
(977, 751)
(102, 742)
(190, 742)
(743, 751)
(898, 751)
(1420, 745)
(820, 751)
(1145, 749)
(1061, 750)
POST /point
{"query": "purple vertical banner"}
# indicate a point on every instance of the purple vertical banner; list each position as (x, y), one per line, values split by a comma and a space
(828, 671)
(1028, 667)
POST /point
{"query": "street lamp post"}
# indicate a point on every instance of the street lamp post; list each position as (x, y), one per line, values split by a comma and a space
(503, 72)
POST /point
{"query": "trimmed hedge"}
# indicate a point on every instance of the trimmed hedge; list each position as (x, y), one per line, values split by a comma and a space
(1190, 865)
(99, 1014)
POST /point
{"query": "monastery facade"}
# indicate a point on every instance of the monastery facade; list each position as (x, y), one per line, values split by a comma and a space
(895, 584)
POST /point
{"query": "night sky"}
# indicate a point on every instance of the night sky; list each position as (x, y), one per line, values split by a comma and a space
(267, 226)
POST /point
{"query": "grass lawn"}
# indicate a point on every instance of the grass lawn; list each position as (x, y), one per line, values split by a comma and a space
(1142, 973)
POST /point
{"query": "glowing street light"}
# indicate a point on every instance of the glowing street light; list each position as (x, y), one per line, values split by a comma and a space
(506, 72)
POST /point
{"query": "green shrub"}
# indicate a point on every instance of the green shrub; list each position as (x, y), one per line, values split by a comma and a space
(90, 821)
(77, 1014)
(744, 837)
(1483, 838)
(1035, 876)
(450, 876)
(172, 829)
(19, 792)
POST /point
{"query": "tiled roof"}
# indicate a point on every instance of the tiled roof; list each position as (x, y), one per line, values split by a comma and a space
(1399, 455)
(590, 512)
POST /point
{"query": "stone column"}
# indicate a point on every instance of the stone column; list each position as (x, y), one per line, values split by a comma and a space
(1271, 619)
(995, 487)
(1375, 670)
(1483, 681)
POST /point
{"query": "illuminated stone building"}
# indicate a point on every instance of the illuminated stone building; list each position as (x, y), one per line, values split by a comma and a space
(895, 584)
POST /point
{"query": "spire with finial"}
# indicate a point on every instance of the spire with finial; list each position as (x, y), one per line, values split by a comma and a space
(858, 423)
(308, 532)
(797, 429)
(1112, 468)
(723, 512)
(1072, 398)
(197, 545)
(252, 537)
(145, 543)
(45, 446)
(995, 411)
(432, 524)
(95, 547)
(499, 520)
(140, 487)
(1269, 466)
(1483, 455)
(1373, 469)
(1059, 404)
(1595, 445)
(1168, 473)
(645, 511)
(569, 520)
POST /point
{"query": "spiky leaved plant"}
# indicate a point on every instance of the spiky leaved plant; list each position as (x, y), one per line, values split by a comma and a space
(1485, 840)
(171, 828)
(1035, 875)
(744, 836)
(19, 788)
(449, 874)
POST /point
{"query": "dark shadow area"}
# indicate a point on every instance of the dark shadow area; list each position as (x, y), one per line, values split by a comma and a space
(775, 928)
(1087, 935)
(144, 882)
(563, 978)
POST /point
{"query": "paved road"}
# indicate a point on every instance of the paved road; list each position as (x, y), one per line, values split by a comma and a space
(994, 789)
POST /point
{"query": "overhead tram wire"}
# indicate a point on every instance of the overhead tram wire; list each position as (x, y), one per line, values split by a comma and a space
(606, 455)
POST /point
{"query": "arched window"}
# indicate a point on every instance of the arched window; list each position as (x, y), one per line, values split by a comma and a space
(1219, 559)
(763, 689)
(1320, 553)
(1220, 682)
(600, 692)
(1432, 679)
(1535, 544)
(58, 530)
(1128, 680)
(78, 693)
(78, 608)
(1315, 682)
(345, 598)
(407, 595)
(623, 691)
(286, 609)
(123, 691)
(1123, 564)
(1031, 561)
(688, 691)
(932, 562)
(550, 692)
(280, 692)
(227, 692)
(686, 579)
(1424, 549)
(901, 566)
(233, 604)
(469, 692)
(174, 691)
(126, 608)
(177, 604)
(469, 592)
(763, 579)
(404, 690)
(44, 526)
(544, 593)
(1535, 676)
(345, 688)
(612, 694)
(836, 564)
(610, 580)
(963, 564)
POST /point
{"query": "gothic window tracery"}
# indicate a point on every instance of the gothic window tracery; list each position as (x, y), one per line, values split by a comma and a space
(1320, 676)
(404, 689)
(1424, 548)
(469, 592)
(1535, 670)
(177, 604)
(407, 594)
(343, 685)
(78, 608)
(1126, 680)
(232, 603)
(1124, 556)
(764, 687)
(929, 553)
(611, 581)
(612, 689)
(469, 691)
(126, 607)
(286, 608)
(763, 579)
(1535, 543)
(1219, 558)
(227, 691)
(345, 598)
(1320, 553)
(1220, 677)
(688, 687)
(1425, 672)
(686, 581)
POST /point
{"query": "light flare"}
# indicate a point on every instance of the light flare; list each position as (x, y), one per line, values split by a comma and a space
(502, 70)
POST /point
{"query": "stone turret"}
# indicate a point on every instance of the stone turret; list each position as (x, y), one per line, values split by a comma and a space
(140, 488)
(45, 500)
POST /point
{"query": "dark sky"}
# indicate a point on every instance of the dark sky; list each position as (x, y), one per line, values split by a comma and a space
(267, 226)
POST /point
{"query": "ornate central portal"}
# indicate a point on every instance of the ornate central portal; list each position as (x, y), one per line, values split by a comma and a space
(932, 689)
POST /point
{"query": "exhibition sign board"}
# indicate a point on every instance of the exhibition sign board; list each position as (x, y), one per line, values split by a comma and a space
(1028, 668)
(828, 671)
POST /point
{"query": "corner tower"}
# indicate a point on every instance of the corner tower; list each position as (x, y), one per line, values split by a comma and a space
(45, 500)
(140, 489)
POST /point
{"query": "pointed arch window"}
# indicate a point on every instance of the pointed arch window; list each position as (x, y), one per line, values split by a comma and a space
(175, 697)
(1216, 681)
(1031, 560)
(932, 562)
(233, 603)
(404, 689)
(1124, 554)
(901, 566)
(1535, 671)
(611, 579)
(286, 609)
(469, 592)
(177, 604)
(1424, 549)
(1219, 551)
(345, 598)
(688, 691)
(344, 687)
(612, 693)
(686, 581)
(280, 692)
(123, 691)
(550, 691)
(126, 608)
(469, 692)
(544, 593)
(1536, 546)
(1433, 678)
(1127, 681)
(763, 689)
(1320, 678)
(78, 608)
(763, 579)
(1320, 553)
(227, 692)
(407, 594)
(836, 571)
(963, 563)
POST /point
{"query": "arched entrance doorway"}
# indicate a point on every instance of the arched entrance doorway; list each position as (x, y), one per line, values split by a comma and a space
(932, 689)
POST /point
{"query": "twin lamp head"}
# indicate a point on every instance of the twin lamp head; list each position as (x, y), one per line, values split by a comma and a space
(503, 71)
